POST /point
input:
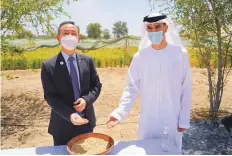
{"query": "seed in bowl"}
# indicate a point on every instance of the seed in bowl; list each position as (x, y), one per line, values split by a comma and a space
(90, 146)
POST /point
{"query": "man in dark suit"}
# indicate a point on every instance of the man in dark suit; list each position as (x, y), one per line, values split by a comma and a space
(71, 86)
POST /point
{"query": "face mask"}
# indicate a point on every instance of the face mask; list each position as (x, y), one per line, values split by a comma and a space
(69, 42)
(155, 37)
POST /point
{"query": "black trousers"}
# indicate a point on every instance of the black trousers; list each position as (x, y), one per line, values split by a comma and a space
(64, 139)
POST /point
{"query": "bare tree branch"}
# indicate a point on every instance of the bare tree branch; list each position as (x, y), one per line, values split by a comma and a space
(225, 60)
(227, 73)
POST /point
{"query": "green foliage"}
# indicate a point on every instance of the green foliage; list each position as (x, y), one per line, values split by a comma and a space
(115, 62)
(18, 14)
(94, 30)
(106, 62)
(15, 61)
(24, 34)
(83, 36)
(99, 63)
(121, 62)
(105, 57)
(120, 29)
(106, 34)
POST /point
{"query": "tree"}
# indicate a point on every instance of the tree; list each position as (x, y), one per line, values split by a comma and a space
(24, 34)
(82, 37)
(18, 14)
(106, 34)
(120, 29)
(94, 30)
(207, 24)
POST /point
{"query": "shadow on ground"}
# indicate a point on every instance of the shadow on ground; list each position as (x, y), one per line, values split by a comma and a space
(207, 138)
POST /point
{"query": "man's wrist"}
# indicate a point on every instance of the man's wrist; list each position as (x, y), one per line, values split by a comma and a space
(85, 98)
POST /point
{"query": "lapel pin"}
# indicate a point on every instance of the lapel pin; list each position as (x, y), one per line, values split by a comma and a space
(61, 63)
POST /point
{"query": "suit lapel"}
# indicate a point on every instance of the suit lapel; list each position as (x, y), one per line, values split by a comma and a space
(63, 70)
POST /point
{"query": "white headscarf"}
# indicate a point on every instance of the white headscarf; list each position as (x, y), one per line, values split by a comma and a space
(172, 35)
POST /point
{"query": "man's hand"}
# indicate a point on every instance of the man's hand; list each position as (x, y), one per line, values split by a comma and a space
(80, 105)
(77, 120)
(181, 129)
(112, 122)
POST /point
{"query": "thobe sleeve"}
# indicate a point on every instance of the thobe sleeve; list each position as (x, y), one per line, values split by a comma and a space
(186, 93)
(130, 92)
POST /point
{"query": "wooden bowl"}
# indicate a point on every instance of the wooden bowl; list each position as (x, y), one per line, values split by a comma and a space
(93, 135)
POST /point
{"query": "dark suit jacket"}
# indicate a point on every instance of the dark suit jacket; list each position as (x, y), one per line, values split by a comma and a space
(58, 92)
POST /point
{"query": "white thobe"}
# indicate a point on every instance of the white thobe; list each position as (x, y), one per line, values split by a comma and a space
(162, 78)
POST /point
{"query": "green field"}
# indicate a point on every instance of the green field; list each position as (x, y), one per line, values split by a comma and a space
(104, 57)
(113, 55)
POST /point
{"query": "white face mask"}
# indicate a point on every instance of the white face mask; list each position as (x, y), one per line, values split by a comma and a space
(69, 42)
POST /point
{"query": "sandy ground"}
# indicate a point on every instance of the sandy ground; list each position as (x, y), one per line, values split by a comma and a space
(25, 114)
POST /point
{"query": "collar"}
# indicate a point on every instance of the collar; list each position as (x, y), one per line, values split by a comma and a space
(66, 56)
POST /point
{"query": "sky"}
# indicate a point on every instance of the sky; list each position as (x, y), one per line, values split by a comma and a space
(107, 12)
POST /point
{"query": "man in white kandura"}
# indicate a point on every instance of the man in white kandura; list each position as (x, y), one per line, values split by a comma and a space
(160, 72)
